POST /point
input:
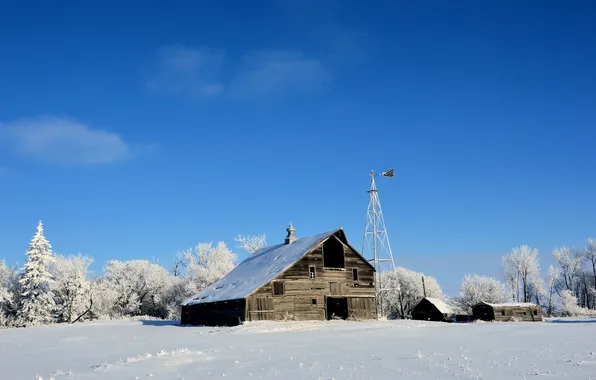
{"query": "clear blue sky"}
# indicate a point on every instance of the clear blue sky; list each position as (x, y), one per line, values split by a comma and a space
(137, 130)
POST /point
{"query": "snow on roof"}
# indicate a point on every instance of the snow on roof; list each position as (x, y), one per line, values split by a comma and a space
(257, 270)
(443, 307)
(511, 304)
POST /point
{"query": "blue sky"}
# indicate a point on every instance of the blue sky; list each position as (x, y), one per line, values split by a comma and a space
(136, 131)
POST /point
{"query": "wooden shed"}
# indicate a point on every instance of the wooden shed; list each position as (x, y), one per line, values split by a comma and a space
(312, 278)
(437, 310)
(507, 312)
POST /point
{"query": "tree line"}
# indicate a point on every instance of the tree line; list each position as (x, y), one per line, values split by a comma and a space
(568, 289)
(53, 288)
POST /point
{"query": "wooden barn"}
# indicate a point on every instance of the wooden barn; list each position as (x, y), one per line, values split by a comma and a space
(507, 312)
(312, 278)
(437, 310)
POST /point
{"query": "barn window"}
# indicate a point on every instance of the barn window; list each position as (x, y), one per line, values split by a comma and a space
(333, 253)
(312, 271)
(278, 288)
(524, 313)
(535, 312)
(355, 274)
(314, 301)
(502, 312)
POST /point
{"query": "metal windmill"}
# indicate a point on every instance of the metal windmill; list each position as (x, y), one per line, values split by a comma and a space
(375, 245)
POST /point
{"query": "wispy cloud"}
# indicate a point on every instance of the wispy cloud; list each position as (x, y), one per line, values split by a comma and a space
(337, 39)
(6, 171)
(65, 141)
(197, 72)
(267, 72)
(192, 71)
(345, 45)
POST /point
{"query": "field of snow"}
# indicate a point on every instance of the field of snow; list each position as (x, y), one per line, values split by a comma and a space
(564, 349)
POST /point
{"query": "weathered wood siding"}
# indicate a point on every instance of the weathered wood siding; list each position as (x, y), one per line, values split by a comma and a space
(300, 290)
(507, 313)
(529, 314)
(362, 307)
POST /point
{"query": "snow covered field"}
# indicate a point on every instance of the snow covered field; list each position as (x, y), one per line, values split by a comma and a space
(563, 349)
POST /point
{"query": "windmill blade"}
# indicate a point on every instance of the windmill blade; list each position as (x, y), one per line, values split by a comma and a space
(388, 173)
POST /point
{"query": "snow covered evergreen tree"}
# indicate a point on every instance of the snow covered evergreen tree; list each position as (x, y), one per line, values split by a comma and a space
(37, 304)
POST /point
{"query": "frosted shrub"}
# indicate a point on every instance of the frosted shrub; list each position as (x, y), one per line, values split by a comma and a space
(570, 307)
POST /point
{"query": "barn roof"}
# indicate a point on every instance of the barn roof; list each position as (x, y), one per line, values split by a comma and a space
(443, 307)
(260, 268)
(509, 304)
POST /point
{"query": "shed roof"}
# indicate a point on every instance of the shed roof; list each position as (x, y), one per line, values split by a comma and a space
(443, 307)
(260, 268)
(509, 304)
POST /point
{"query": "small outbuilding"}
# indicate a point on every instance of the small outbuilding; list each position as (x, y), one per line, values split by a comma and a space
(437, 310)
(312, 278)
(504, 312)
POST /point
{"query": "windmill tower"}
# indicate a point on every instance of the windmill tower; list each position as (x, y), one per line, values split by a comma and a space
(375, 245)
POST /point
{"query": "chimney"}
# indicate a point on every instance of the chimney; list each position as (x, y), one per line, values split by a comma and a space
(291, 237)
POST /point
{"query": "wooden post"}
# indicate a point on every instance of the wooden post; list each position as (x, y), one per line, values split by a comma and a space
(423, 287)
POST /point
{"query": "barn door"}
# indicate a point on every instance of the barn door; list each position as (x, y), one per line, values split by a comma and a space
(335, 288)
(361, 307)
(260, 308)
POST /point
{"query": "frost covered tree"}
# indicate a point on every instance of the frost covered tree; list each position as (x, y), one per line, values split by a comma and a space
(37, 304)
(208, 263)
(475, 289)
(197, 268)
(553, 275)
(71, 287)
(135, 287)
(576, 273)
(251, 243)
(403, 288)
(7, 276)
(589, 257)
(569, 268)
(522, 272)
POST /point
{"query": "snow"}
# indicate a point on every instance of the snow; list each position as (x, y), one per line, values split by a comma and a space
(263, 266)
(511, 304)
(443, 307)
(562, 349)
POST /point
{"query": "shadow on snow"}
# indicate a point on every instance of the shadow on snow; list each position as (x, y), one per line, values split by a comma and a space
(587, 320)
(159, 323)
